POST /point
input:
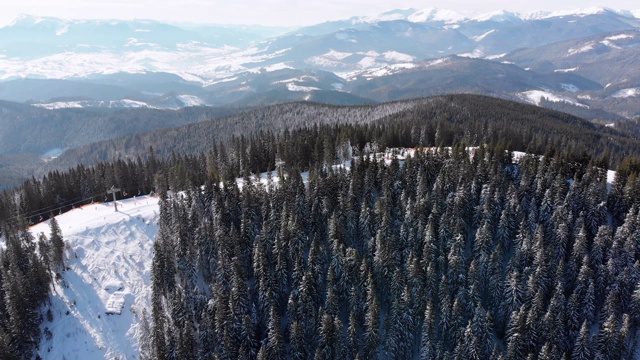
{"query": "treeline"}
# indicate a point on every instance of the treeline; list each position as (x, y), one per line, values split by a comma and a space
(446, 256)
(201, 137)
(27, 268)
(472, 119)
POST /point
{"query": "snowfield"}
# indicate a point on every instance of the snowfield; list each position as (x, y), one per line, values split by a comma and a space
(625, 93)
(98, 303)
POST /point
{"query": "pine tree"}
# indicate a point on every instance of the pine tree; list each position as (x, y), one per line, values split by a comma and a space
(144, 337)
(372, 321)
(582, 348)
(57, 245)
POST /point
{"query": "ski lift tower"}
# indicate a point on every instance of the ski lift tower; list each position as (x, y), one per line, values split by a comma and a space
(113, 191)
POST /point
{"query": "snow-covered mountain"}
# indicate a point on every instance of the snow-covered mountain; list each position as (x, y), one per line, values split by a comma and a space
(64, 49)
(97, 307)
(142, 63)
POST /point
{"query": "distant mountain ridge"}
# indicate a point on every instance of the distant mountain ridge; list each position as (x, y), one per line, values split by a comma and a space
(110, 64)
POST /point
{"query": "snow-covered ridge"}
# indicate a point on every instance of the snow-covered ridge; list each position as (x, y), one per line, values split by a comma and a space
(435, 14)
(498, 16)
(453, 17)
(540, 15)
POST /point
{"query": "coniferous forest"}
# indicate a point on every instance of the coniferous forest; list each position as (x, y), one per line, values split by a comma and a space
(445, 256)
(455, 253)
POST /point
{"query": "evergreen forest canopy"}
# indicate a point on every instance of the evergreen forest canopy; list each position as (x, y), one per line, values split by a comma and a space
(472, 119)
(444, 256)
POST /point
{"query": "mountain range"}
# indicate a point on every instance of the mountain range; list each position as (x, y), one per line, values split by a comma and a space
(544, 58)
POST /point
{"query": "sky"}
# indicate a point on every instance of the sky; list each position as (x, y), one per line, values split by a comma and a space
(271, 12)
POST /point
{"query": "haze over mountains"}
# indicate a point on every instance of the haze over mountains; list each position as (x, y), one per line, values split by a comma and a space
(69, 83)
(551, 59)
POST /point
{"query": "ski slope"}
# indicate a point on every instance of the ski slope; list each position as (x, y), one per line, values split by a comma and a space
(97, 304)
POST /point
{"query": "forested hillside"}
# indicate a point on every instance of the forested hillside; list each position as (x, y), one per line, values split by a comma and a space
(447, 256)
(471, 119)
(461, 252)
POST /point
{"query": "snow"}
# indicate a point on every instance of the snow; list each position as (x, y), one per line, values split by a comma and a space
(626, 93)
(109, 264)
(434, 14)
(124, 103)
(476, 53)
(367, 62)
(495, 57)
(437, 61)
(337, 55)
(61, 105)
(536, 96)
(397, 56)
(53, 153)
(191, 100)
(389, 16)
(619, 37)
(480, 37)
(62, 31)
(540, 15)
(193, 61)
(565, 70)
(330, 59)
(115, 303)
(276, 67)
(570, 87)
(294, 87)
(611, 176)
(609, 44)
(498, 16)
(583, 49)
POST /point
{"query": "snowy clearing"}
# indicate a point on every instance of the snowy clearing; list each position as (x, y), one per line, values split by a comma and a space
(191, 100)
(480, 37)
(124, 103)
(565, 70)
(625, 93)
(536, 96)
(570, 87)
(97, 305)
(585, 48)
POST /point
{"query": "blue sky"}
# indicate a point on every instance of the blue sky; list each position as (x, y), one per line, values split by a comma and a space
(270, 12)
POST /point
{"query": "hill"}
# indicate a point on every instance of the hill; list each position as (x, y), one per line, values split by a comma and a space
(469, 118)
